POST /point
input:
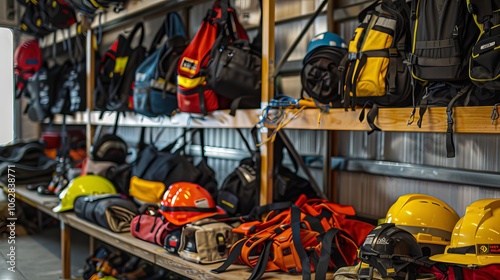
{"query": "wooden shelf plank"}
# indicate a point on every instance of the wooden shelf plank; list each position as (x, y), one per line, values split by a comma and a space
(466, 120)
(158, 255)
(217, 119)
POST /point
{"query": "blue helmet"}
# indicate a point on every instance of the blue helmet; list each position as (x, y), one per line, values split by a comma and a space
(325, 39)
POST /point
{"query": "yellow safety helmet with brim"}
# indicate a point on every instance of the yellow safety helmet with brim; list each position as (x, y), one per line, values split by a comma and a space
(429, 219)
(81, 186)
(476, 237)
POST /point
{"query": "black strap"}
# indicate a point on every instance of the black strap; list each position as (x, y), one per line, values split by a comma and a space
(233, 256)
(295, 155)
(304, 259)
(326, 253)
(260, 267)
(371, 116)
(450, 145)
(457, 270)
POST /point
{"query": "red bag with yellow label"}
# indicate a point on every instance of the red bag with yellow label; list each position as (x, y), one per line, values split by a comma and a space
(193, 93)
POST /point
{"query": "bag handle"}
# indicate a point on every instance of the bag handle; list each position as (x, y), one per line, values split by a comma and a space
(172, 26)
(137, 27)
(295, 155)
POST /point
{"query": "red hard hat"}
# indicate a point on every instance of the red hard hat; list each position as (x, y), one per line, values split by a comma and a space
(185, 203)
(27, 61)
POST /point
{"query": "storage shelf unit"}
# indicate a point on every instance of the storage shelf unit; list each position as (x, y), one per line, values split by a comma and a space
(466, 120)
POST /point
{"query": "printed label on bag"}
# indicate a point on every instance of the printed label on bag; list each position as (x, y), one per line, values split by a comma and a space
(189, 65)
(202, 203)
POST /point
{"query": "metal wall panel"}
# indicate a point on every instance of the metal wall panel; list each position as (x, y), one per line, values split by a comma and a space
(372, 195)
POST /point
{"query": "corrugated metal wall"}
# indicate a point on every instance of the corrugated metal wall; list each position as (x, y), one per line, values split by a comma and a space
(370, 194)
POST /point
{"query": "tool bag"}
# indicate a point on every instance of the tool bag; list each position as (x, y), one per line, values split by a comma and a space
(373, 73)
(116, 75)
(206, 241)
(194, 95)
(155, 91)
(155, 170)
(443, 35)
(239, 192)
(151, 228)
(484, 70)
(306, 237)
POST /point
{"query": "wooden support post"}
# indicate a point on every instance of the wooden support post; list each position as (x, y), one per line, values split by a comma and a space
(267, 152)
(65, 251)
(90, 66)
(329, 16)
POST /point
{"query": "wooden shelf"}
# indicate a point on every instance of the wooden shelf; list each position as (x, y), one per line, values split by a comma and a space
(466, 120)
(217, 119)
(158, 255)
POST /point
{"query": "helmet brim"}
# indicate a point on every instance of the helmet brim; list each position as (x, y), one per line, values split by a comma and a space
(60, 208)
(180, 222)
(465, 259)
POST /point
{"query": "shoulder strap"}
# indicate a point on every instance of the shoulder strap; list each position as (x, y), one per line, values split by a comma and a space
(294, 154)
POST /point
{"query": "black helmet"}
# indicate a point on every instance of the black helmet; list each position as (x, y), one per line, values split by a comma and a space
(393, 251)
(110, 147)
(320, 75)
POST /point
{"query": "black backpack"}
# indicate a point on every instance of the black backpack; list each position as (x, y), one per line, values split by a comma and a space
(115, 78)
(444, 33)
(239, 192)
(484, 69)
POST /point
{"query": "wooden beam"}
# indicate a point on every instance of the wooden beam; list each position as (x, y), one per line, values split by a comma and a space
(267, 151)
(474, 119)
(90, 66)
(330, 21)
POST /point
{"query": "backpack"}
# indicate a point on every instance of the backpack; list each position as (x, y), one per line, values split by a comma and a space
(484, 70)
(27, 61)
(310, 236)
(155, 79)
(239, 192)
(373, 73)
(194, 95)
(444, 34)
(40, 95)
(115, 78)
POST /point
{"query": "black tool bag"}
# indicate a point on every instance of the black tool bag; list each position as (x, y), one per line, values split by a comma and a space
(154, 170)
(443, 35)
(484, 69)
(112, 212)
(239, 191)
(288, 184)
(235, 70)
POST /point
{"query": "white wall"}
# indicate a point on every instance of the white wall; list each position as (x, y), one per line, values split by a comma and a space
(6, 85)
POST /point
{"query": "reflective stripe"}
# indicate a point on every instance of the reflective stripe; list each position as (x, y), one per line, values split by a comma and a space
(190, 83)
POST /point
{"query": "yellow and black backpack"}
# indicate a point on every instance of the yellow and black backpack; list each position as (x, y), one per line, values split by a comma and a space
(374, 73)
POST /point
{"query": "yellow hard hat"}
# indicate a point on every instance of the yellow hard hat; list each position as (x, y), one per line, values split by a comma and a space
(428, 218)
(80, 186)
(476, 237)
